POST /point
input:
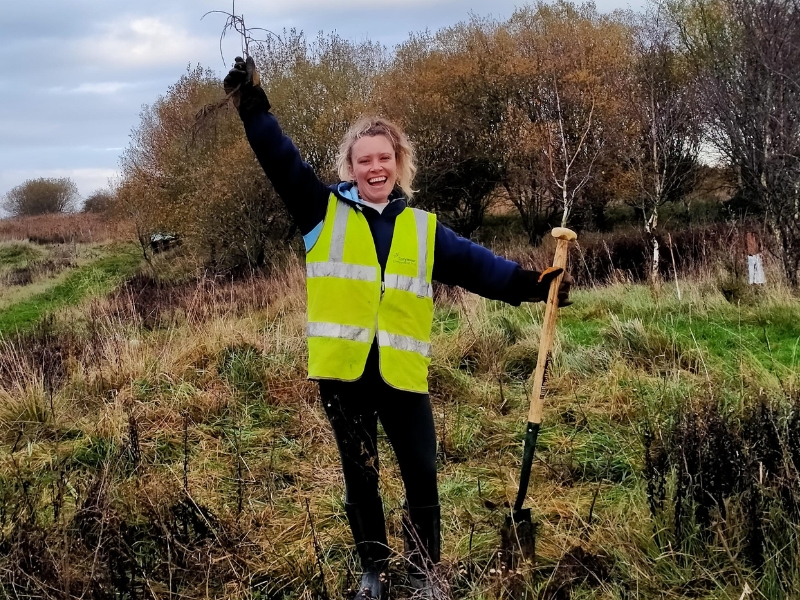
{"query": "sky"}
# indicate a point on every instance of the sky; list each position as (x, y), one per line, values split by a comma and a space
(75, 74)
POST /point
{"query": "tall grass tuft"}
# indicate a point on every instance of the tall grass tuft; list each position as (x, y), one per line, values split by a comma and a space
(649, 347)
(727, 486)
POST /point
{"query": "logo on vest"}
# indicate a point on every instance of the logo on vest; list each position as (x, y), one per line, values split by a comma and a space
(403, 260)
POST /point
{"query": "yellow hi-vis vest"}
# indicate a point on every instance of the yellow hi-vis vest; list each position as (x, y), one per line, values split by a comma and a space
(347, 304)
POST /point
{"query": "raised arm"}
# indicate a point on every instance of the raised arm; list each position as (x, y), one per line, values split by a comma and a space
(304, 195)
(458, 261)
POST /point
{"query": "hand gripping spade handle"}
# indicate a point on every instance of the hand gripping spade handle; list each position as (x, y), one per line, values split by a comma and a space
(564, 237)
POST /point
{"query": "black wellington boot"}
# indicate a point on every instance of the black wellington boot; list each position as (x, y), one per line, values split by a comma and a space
(422, 542)
(369, 532)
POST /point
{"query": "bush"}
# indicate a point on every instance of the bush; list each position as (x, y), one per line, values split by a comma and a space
(193, 174)
(42, 196)
(734, 287)
(99, 202)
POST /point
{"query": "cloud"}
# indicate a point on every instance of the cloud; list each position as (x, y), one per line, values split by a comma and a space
(139, 42)
(102, 87)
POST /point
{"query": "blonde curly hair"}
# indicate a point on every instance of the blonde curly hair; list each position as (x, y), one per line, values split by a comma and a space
(372, 126)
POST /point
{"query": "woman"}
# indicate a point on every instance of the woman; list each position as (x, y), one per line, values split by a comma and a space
(370, 264)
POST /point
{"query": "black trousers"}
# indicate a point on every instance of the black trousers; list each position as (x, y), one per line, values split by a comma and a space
(353, 409)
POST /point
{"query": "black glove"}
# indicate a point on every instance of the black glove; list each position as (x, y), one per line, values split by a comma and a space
(533, 286)
(243, 82)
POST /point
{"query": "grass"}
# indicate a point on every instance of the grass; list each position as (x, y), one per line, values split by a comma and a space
(17, 254)
(92, 279)
(766, 330)
(188, 455)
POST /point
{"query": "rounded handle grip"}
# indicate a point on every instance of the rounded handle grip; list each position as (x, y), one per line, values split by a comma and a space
(562, 233)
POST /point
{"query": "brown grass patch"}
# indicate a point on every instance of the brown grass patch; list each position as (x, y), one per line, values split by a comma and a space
(80, 228)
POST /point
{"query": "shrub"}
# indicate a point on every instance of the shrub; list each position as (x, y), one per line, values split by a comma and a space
(734, 287)
(100, 201)
(42, 196)
(625, 255)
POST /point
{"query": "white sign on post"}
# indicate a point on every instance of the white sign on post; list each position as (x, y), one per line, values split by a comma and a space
(755, 269)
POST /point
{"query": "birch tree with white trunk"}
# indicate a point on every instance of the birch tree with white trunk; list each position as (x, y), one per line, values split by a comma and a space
(668, 121)
(567, 108)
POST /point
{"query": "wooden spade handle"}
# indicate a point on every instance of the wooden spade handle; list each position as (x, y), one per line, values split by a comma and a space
(564, 237)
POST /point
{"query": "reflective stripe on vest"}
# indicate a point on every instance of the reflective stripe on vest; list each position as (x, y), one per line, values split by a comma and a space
(403, 342)
(339, 229)
(415, 285)
(342, 270)
(345, 302)
(342, 332)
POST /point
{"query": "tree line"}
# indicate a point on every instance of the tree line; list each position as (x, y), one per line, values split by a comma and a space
(557, 111)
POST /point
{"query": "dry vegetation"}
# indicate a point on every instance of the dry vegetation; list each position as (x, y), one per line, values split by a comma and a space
(165, 441)
(21, 263)
(82, 228)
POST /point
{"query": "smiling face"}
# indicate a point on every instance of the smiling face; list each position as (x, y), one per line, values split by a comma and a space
(373, 166)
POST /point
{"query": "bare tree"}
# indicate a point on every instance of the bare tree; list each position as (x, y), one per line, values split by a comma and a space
(526, 177)
(563, 151)
(663, 158)
(42, 196)
(747, 53)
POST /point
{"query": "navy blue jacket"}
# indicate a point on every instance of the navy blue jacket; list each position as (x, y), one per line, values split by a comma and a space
(457, 261)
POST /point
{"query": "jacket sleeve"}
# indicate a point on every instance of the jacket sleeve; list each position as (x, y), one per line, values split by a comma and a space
(458, 261)
(305, 196)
